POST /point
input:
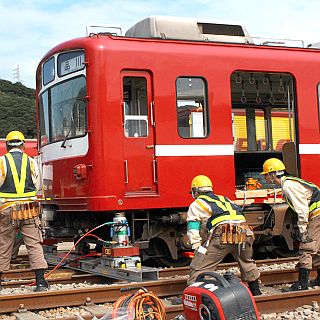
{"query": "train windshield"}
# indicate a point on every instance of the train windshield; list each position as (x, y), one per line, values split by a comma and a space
(62, 111)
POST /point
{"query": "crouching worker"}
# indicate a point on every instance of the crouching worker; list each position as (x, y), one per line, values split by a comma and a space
(19, 180)
(216, 227)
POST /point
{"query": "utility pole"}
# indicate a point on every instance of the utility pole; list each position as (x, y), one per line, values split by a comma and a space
(16, 74)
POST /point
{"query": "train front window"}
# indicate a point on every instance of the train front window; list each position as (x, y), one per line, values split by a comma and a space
(192, 108)
(63, 111)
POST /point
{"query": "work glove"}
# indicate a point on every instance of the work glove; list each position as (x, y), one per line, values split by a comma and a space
(304, 237)
(196, 245)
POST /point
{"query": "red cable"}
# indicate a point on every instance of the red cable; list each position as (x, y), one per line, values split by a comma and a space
(59, 264)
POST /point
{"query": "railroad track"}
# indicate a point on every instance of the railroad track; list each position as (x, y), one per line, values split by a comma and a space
(172, 283)
(24, 275)
(268, 303)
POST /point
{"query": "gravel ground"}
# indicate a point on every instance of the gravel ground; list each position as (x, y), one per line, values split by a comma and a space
(302, 313)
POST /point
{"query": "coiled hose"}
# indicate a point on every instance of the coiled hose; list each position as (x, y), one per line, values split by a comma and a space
(141, 305)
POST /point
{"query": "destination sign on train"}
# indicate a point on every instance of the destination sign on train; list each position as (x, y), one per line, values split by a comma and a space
(74, 63)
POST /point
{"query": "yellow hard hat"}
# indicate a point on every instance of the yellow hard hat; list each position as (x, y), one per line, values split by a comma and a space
(201, 181)
(272, 164)
(15, 138)
(15, 135)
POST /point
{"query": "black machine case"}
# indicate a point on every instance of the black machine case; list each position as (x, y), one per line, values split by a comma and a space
(216, 297)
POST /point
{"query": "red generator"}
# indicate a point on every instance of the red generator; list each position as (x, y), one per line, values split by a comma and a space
(216, 297)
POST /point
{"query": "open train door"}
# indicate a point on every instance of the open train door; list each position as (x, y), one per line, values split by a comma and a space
(264, 116)
(138, 135)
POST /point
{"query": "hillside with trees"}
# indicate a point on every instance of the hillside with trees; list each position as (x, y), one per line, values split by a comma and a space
(17, 109)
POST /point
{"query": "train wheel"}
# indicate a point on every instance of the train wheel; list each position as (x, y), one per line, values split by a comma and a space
(282, 250)
(163, 256)
(283, 253)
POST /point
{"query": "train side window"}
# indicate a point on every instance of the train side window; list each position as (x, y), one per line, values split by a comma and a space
(135, 105)
(249, 123)
(282, 128)
(192, 107)
(44, 118)
(48, 71)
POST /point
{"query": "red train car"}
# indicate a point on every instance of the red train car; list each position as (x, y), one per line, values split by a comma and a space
(126, 122)
(30, 145)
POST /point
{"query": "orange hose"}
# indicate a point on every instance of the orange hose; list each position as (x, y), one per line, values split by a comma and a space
(142, 305)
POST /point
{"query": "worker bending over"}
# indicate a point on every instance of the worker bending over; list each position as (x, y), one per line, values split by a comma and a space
(303, 198)
(216, 227)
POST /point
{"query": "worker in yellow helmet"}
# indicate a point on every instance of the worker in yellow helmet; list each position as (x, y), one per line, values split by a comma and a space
(19, 181)
(303, 197)
(215, 228)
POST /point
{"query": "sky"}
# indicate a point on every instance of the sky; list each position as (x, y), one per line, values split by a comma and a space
(30, 28)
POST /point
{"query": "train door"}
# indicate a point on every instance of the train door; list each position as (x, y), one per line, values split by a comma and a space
(138, 135)
(264, 115)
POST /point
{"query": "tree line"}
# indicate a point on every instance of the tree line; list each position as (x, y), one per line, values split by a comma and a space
(17, 109)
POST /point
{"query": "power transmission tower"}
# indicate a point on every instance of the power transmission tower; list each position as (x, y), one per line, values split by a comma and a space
(16, 74)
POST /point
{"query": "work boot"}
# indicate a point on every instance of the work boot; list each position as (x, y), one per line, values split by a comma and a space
(302, 283)
(254, 287)
(41, 283)
(316, 281)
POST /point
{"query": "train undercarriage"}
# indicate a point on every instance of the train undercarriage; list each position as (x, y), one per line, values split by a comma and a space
(161, 235)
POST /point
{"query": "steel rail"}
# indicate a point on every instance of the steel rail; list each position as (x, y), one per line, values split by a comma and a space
(27, 273)
(274, 303)
(76, 278)
(110, 293)
(171, 272)
(76, 297)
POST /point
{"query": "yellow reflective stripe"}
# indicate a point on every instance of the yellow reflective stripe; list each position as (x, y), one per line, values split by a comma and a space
(222, 204)
(2, 170)
(16, 195)
(226, 218)
(306, 182)
(23, 174)
(203, 207)
(19, 184)
(310, 184)
(218, 203)
(315, 205)
(233, 213)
